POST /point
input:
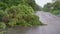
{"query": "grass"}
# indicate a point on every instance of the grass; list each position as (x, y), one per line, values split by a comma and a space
(56, 12)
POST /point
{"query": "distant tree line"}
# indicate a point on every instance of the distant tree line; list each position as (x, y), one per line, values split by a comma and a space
(52, 7)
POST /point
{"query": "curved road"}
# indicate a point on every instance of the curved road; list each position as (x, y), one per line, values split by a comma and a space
(53, 24)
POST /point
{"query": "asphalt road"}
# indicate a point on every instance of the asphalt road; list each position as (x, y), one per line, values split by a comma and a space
(52, 27)
(52, 21)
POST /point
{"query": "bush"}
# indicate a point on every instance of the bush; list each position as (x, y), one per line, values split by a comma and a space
(18, 12)
(22, 15)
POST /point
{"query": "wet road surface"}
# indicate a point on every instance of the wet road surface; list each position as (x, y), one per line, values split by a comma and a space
(52, 22)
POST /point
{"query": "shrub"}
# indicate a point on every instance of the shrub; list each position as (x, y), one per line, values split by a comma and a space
(18, 12)
(22, 15)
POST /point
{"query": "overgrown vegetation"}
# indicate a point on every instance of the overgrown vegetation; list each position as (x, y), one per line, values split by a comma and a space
(8, 3)
(18, 12)
(21, 15)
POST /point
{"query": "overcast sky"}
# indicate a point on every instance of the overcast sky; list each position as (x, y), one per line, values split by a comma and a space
(42, 2)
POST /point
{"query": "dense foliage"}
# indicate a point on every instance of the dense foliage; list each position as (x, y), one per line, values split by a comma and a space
(56, 5)
(21, 15)
(18, 12)
(53, 7)
(32, 4)
(8, 3)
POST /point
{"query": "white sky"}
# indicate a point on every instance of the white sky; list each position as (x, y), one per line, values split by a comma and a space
(42, 2)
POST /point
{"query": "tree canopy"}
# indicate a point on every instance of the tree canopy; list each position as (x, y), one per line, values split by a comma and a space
(8, 3)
